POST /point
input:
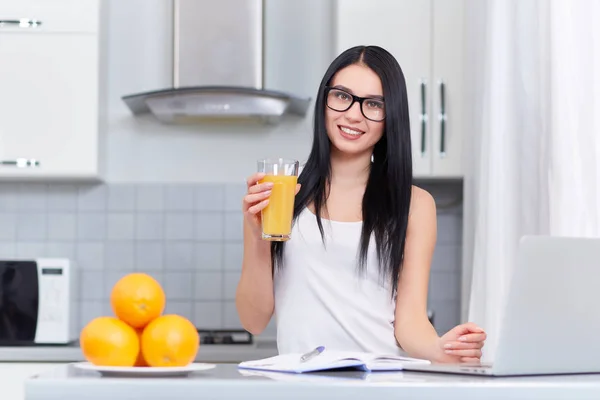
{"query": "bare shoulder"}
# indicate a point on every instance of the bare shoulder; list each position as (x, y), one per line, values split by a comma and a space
(422, 203)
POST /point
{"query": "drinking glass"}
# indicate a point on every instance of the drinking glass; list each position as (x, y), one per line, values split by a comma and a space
(278, 214)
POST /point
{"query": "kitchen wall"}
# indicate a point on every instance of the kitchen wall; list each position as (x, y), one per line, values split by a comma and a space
(170, 203)
(188, 236)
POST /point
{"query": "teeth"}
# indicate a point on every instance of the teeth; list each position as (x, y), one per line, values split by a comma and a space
(350, 131)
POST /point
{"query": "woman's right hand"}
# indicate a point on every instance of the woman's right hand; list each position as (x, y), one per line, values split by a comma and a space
(255, 200)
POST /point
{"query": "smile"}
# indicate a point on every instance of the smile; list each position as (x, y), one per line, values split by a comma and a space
(352, 132)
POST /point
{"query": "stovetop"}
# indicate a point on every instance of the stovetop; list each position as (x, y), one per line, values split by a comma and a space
(225, 336)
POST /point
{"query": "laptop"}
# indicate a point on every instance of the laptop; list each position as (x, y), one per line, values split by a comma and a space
(551, 323)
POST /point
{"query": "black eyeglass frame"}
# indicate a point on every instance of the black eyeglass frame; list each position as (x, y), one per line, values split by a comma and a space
(355, 99)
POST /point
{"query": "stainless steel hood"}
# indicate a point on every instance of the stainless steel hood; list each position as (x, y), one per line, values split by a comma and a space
(218, 68)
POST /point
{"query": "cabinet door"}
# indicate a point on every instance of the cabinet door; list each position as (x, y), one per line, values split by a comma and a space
(448, 94)
(403, 27)
(51, 16)
(48, 103)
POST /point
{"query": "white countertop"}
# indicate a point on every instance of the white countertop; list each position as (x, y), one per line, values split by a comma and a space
(13, 376)
(210, 353)
(65, 382)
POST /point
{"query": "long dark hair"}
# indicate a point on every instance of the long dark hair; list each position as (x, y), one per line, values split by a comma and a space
(386, 201)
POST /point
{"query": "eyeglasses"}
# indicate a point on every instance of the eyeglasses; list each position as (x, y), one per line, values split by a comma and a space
(339, 100)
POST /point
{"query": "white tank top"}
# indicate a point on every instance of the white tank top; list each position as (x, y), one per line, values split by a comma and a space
(321, 300)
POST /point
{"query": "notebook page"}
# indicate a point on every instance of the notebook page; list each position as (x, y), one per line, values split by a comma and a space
(293, 363)
(391, 362)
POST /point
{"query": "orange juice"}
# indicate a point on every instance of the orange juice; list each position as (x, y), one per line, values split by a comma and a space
(277, 215)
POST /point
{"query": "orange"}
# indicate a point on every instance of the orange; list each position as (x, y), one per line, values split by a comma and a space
(108, 341)
(140, 362)
(137, 299)
(170, 341)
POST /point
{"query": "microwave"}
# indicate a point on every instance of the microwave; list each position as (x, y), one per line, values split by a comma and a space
(37, 302)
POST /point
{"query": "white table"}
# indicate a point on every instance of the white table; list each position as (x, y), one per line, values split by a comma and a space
(226, 382)
(14, 375)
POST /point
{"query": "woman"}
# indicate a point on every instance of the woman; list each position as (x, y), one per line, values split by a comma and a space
(354, 275)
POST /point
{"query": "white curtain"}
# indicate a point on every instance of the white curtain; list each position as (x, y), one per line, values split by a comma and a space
(533, 138)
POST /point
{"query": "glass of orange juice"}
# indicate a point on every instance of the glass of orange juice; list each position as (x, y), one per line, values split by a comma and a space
(278, 214)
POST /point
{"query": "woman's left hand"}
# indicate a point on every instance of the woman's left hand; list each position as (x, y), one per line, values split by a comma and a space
(463, 344)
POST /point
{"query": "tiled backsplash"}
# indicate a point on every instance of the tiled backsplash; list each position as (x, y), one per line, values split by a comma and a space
(187, 236)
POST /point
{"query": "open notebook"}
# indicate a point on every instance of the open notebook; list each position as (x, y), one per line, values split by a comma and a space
(327, 360)
(355, 376)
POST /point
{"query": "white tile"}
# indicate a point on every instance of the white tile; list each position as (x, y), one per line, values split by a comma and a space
(9, 197)
(91, 226)
(120, 226)
(32, 226)
(230, 283)
(8, 249)
(234, 195)
(159, 276)
(62, 226)
(110, 280)
(31, 249)
(208, 315)
(88, 310)
(179, 285)
(179, 226)
(209, 197)
(208, 256)
(121, 197)
(234, 226)
(179, 198)
(231, 319)
(149, 256)
(62, 250)
(208, 286)
(209, 227)
(150, 197)
(90, 255)
(179, 255)
(233, 256)
(8, 226)
(179, 307)
(31, 197)
(62, 197)
(92, 198)
(120, 255)
(149, 226)
(92, 285)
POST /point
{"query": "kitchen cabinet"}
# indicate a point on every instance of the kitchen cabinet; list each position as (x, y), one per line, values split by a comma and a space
(51, 101)
(426, 37)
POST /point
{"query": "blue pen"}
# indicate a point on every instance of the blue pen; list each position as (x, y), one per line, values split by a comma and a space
(311, 354)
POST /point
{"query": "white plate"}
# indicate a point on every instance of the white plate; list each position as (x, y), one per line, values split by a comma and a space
(149, 372)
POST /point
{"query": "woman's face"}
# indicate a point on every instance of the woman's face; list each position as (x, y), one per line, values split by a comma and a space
(350, 132)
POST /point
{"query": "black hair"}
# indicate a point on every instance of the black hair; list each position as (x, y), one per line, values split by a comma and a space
(386, 201)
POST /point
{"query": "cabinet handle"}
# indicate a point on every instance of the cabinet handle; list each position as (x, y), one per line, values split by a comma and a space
(21, 23)
(423, 117)
(442, 118)
(21, 163)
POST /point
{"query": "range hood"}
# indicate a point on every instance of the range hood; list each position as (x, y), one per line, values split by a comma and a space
(218, 68)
